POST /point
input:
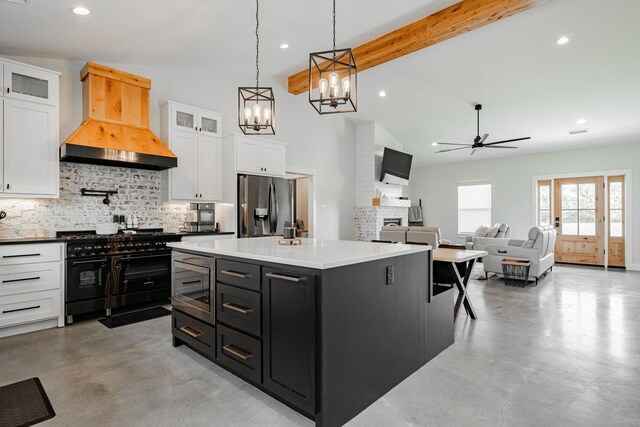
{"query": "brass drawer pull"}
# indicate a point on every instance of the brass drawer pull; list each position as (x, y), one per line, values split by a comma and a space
(235, 274)
(236, 352)
(194, 333)
(238, 308)
(287, 278)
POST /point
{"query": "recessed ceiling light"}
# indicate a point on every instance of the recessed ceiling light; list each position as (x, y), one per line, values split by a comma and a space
(382, 93)
(80, 10)
(284, 46)
(581, 121)
(563, 40)
(434, 144)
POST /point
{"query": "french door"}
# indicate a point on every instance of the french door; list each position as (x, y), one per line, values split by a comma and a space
(579, 213)
(616, 206)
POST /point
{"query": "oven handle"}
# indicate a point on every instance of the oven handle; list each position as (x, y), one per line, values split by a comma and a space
(74, 263)
(145, 257)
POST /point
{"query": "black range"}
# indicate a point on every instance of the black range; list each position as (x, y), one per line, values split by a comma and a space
(106, 272)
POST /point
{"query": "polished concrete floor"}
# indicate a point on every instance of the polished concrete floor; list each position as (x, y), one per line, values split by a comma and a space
(566, 352)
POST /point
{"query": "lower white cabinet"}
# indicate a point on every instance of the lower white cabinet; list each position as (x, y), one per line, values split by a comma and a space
(31, 287)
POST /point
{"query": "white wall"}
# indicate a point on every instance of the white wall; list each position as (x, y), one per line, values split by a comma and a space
(323, 143)
(512, 189)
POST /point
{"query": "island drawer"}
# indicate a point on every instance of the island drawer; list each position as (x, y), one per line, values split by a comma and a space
(240, 353)
(239, 308)
(194, 332)
(238, 274)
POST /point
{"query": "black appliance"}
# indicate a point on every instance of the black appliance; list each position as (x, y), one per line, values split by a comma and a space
(265, 205)
(396, 167)
(106, 272)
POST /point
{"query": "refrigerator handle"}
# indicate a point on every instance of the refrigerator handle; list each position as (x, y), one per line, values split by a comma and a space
(273, 207)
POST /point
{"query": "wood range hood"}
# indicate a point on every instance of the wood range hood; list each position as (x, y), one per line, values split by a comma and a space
(115, 128)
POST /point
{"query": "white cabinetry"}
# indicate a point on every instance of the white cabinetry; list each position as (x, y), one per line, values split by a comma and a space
(31, 287)
(193, 135)
(29, 123)
(257, 156)
(254, 156)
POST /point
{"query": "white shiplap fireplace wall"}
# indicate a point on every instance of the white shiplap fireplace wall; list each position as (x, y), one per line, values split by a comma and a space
(371, 139)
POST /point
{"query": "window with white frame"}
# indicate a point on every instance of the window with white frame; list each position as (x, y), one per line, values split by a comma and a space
(474, 206)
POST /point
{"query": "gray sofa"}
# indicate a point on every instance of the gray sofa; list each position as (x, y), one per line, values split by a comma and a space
(538, 248)
(414, 234)
(480, 243)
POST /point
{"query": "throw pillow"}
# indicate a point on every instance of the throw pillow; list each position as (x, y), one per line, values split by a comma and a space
(480, 232)
(502, 231)
(492, 231)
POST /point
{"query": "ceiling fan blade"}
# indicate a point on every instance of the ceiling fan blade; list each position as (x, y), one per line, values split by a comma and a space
(507, 140)
(451, 143)
(452, 149)
(473, 151)
(499, 146)
(484, 138)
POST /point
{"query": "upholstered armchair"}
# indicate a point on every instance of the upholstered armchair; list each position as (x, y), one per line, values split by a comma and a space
(499, 234)
(538, 248)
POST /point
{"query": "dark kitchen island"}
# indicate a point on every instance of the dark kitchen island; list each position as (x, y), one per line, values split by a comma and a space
(327, 327)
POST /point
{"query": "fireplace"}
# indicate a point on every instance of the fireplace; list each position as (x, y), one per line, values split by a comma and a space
(392, 221)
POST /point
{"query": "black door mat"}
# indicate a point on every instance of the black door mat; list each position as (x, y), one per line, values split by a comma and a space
(24, 403)
(134, 317)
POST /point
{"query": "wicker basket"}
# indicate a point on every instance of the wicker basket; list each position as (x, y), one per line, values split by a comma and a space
(516, 272)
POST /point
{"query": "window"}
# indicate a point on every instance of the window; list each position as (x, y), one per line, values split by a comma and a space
(578, 205)
(616, 206)
(474, 207)
(544, 202)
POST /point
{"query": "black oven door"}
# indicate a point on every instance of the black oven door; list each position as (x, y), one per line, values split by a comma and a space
(87, 278)
(143, 273)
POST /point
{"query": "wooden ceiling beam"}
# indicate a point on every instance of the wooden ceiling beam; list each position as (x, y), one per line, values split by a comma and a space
(453, 21)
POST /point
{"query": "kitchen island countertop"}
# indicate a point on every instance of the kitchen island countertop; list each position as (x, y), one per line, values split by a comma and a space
(311, 253)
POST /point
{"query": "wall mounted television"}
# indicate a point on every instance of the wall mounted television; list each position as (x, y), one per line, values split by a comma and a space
(396, 167)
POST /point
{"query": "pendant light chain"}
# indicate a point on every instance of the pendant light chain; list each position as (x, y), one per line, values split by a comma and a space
(257, 44)
(334, 24)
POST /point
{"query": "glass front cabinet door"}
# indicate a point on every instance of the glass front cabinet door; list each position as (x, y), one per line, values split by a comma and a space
(210, 123)
(30, 84)
(184, 118)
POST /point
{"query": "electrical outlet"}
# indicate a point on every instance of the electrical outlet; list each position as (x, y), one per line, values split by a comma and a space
(390, 275)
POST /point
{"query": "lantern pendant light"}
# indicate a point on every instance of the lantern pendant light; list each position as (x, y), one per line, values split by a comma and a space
(334, 75)
(257, 105)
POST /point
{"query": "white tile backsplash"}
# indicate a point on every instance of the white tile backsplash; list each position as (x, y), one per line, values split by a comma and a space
(138, 194)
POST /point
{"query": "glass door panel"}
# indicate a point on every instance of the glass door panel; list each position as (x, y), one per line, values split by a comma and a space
(30, 84)
(544, 202)
(185, 120)
(616, 250)
(209, 124)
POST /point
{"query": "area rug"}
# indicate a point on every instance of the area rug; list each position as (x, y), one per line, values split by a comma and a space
(24, 403)
(134, 317)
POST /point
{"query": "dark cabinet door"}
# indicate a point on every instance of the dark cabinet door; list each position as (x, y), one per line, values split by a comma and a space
(289, 336)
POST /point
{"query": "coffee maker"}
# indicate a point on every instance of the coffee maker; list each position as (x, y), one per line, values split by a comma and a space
(201, 217)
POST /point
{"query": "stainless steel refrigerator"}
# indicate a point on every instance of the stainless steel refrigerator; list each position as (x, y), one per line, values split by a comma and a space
(265, 205)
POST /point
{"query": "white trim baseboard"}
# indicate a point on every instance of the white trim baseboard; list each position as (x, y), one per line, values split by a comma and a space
(634, 267)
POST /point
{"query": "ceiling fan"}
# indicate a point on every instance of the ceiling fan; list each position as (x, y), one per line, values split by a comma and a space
(479, 141)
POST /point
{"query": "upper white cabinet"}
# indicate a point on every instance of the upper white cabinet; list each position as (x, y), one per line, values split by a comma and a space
(192, 134)
(259, 157)
(191, 119)
(251, 155)
(29, 123)
(30, 84)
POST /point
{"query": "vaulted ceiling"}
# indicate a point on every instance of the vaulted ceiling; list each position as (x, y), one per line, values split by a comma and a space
(529, 85)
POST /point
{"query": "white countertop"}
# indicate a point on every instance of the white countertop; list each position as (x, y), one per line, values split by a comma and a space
(312, 253)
